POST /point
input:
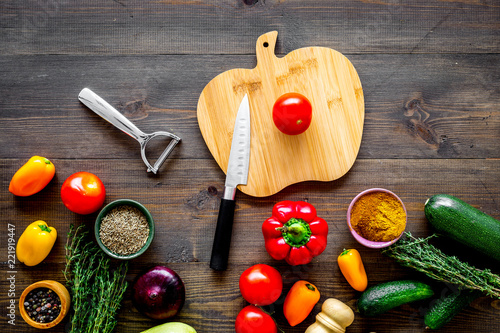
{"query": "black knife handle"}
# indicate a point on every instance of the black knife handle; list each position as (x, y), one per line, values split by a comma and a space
(222, 239)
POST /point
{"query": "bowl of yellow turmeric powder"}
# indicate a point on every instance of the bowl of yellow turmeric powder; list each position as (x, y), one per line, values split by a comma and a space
(376, 218)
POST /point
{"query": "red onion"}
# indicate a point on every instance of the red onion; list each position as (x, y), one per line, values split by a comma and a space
(159, 293)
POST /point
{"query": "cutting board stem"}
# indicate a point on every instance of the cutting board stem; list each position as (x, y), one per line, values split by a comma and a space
(265, 48)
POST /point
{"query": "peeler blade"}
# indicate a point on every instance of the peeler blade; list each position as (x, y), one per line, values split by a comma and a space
(164, 155)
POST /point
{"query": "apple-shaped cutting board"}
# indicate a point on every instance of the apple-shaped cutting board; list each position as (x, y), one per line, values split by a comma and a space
(324, 152)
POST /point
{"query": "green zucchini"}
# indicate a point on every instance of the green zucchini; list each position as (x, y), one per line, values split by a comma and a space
(455, 219)
(386, 296)
(448, 307)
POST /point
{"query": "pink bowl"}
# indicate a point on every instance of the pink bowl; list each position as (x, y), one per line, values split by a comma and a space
(364, 241)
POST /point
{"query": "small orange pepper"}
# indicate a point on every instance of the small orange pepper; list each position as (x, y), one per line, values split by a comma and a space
(352, 268)
(32, 177)
(300, 301)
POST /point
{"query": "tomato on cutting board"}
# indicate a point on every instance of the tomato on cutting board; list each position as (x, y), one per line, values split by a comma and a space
(252, 319)
(83, 193)
(261, 284)
(292, 113)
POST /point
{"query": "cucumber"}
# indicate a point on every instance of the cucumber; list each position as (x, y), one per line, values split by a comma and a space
(455, 219)
(385, 296)
(448, 307)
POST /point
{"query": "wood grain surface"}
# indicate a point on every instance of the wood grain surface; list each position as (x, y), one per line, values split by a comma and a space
(329, 146)
(431, 83)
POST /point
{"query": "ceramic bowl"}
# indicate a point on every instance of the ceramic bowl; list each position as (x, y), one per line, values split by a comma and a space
(106, 210)
(59, 289)
(364, 241)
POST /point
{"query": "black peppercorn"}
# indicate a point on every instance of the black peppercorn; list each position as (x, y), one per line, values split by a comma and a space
(42, 305)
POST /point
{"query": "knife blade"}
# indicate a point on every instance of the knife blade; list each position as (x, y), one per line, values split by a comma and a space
(237, 174)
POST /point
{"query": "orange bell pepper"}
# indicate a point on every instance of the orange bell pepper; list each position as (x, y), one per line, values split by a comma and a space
(32, 177)
(300, 301)
(352, 268)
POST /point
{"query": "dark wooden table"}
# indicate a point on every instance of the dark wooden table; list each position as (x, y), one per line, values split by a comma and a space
(431, 80)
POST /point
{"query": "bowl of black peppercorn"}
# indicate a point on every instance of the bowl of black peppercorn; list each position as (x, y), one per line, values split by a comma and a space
(44, 304)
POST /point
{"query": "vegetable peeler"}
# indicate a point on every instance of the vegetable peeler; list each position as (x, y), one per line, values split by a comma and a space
(106, 111)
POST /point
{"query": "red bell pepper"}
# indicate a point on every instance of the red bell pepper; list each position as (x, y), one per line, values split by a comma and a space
(294, 232)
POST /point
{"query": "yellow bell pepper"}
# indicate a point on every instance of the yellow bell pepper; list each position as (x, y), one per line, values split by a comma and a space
(32, 177)
(35, 243)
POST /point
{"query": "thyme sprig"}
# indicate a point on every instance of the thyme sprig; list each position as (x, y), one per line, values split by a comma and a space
(418, 254)
(96, 291)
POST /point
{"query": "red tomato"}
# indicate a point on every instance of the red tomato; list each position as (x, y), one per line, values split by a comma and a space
(253, 320)
(261, 285)
(83, 193)
(292, 113)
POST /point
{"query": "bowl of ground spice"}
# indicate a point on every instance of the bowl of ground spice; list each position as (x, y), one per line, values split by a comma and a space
(44, 304)
(124, 229)
(376, 218)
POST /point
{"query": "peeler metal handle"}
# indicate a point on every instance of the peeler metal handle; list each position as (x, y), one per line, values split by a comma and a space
(106, 111)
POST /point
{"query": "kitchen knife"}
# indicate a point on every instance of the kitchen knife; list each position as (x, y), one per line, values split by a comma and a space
(237, 174)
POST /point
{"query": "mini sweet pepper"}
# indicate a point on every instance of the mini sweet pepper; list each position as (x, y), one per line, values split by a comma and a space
(35, 243)
(352, 268)
(300, 301)
(294, 232)
(32, 177)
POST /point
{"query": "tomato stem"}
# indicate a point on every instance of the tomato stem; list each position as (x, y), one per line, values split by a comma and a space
(271, 315)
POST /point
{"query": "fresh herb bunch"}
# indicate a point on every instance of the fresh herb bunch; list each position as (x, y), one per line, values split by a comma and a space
(96, 293)
(418, 254)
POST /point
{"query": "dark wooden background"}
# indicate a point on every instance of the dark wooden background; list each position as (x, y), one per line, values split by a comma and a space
(431, 80)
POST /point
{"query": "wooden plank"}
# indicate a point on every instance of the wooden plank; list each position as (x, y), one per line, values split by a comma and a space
(422, 106)
(232, 27)
(185, 210)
